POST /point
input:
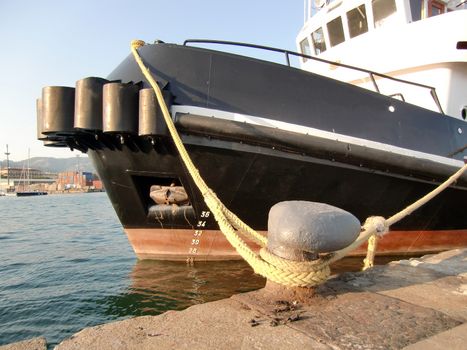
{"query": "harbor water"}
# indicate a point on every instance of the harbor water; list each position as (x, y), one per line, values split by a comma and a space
(66, 264)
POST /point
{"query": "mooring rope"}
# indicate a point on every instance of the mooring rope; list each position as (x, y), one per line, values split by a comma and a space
(274, 268)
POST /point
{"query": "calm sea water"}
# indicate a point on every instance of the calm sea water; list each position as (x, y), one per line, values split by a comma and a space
(66, 264)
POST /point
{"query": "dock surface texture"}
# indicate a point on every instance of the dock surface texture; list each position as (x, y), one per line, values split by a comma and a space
(409, 304)
(31, 344)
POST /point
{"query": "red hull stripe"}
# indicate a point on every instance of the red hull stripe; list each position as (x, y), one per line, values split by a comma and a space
(199, 245)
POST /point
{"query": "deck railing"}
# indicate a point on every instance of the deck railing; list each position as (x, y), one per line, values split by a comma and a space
(288, 53)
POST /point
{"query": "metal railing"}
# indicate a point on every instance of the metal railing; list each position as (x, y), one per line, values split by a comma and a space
(288, 53)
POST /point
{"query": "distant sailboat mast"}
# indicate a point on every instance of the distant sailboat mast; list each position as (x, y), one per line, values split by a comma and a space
(27, 181)
(7, 167)
(28, 173)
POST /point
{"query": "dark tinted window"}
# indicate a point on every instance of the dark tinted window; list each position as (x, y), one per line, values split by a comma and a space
(416, 9)
(318, 41)
(335, 31)
(305, 48)
(357, 21)
(382, 10)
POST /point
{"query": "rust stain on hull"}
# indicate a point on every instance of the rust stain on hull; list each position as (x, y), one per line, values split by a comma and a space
(206, 245)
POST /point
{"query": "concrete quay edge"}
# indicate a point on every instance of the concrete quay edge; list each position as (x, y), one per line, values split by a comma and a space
(39, 343)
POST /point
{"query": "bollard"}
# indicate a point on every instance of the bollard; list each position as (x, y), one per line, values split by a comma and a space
(300, 231)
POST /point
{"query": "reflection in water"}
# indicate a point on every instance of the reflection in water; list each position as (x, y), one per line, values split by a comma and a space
(158, 286)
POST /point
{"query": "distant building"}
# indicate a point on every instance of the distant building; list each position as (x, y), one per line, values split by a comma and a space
(23, 173)
(77, 180)
(73, 179)
(20, 173)
(20, 177)
(97, 184)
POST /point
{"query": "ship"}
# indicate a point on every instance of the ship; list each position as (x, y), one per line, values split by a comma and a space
(263, 132)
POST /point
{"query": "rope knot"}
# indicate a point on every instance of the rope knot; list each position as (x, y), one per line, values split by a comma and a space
(137, 43)
(377, 224)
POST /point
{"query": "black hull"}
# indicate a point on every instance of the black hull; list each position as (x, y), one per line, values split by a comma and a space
(237, 84)
(251, 179)
(300, 136)
(30, 194)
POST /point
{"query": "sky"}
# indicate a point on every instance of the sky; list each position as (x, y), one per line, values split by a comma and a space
(57, 42)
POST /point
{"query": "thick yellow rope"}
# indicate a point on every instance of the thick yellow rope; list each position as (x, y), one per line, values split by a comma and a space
(369, 260)
(379, 225)
(276, 269)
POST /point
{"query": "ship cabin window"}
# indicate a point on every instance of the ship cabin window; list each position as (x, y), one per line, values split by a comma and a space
(435, 8)
(416, 7)
(305, 48)
(318, 41)
(383, 11)
(336, 32)
(357, 21)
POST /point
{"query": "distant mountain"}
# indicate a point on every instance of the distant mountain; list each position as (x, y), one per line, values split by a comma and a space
(54, 165)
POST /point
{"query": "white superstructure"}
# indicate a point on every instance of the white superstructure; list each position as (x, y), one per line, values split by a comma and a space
(424, 41)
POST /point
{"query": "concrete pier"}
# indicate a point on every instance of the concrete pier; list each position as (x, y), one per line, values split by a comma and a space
(413, 304)
(31, 344)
